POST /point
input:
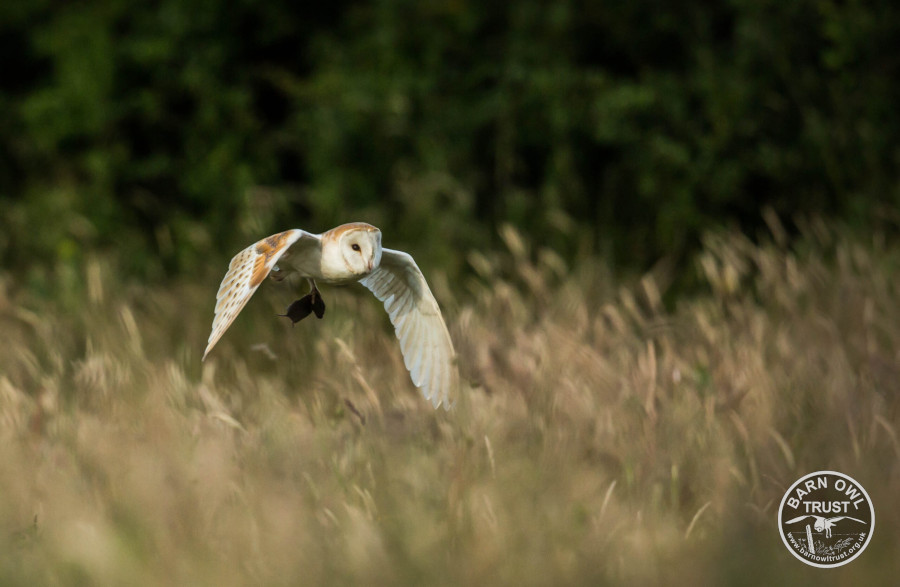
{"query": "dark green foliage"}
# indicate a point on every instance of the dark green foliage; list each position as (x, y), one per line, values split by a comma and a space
(175, 130)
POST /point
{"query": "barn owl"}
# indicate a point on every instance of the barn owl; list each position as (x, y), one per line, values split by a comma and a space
(343, 255)
(823, 523)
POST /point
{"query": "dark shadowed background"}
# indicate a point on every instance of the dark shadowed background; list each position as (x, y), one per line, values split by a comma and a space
(173, 132)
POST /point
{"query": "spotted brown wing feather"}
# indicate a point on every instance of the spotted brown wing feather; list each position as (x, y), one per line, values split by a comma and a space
(246, 272)
(424, 340)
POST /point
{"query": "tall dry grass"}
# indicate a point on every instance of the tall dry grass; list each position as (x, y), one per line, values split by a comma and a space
(601, 437)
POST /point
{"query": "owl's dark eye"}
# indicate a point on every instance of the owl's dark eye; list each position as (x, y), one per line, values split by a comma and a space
(355, 247)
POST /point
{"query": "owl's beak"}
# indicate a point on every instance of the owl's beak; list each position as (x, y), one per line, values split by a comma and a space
(371, 264)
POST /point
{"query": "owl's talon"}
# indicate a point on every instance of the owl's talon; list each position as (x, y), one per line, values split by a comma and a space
(318, 305)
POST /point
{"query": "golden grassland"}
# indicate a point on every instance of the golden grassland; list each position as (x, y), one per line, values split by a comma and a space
(601, 436)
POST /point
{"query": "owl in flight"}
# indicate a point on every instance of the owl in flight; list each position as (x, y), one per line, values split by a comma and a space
(823, 523)
(346, 254)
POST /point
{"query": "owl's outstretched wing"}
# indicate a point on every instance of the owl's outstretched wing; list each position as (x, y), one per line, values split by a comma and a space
(424, 340)
(839, 518)
(247, 270)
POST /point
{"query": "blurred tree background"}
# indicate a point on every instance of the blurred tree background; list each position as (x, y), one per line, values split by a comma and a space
(172, 133)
